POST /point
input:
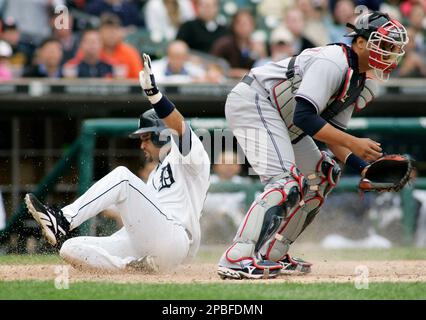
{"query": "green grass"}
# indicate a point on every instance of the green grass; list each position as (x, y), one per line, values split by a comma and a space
(223, 291)
(212, 255)
(397, 253)
(30, 259)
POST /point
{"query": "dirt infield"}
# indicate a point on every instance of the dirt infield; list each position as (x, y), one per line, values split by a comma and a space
(335, 271)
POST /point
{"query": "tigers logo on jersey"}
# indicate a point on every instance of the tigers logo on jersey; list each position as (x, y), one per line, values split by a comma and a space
(166, 177)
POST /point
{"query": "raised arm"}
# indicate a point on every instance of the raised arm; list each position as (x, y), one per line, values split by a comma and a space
(165, 109)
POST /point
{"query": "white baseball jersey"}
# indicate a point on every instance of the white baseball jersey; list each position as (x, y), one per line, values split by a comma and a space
(160, 218)
(319, 73)
(180, 183)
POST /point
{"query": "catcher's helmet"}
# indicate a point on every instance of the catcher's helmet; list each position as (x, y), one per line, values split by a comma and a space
(386, 38)
(150, 122)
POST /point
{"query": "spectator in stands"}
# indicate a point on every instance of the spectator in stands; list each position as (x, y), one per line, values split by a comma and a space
(227, 168)
(21, 52)
(164, 17)
(123, 55)
(236, 48)
(373, 5)
(417, 24)
(47, 60)
(315, 14)
(223, 211)
(5, 54)
(343, 12)
(64, 33)
(203, 31)
(391, 7)
(281, 46)
(274, 8)
(176, 66)
(406, 6)
(259, 44)
(215, 73)
(32, 17)
(295, 23)
(90, 65)
(127, 11)
(413, 64)
(78, 4)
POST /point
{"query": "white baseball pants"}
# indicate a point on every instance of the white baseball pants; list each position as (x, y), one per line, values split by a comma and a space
(147, 230)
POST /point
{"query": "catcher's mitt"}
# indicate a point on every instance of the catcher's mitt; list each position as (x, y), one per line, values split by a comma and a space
(388, 173)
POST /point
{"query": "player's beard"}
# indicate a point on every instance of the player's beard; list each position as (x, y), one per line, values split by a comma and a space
(156, 154)
(148, 156)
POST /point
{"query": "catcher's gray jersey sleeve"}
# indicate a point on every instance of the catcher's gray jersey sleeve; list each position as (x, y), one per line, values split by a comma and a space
(321, 80)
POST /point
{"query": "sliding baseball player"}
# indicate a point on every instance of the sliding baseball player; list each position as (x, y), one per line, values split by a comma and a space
(161, 217)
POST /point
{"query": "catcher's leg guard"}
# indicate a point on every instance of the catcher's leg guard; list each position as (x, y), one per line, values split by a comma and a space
(265, 217)
(320, 184)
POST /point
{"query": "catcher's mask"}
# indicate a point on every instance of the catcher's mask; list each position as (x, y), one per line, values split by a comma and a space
(386, 38)
(150, 122)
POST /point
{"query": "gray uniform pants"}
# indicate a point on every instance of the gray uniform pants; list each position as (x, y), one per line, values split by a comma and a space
(263, 135)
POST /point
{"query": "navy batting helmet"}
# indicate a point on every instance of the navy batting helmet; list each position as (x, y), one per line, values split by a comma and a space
(150, 122)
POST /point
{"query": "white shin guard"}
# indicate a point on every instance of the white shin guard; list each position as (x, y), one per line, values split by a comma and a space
(265, 217)
(277, 247)
(319, 185)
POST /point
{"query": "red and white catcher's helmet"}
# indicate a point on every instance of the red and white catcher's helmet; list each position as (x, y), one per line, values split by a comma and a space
(386, 38)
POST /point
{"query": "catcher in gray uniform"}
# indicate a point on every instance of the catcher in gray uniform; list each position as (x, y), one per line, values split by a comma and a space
(276, 111)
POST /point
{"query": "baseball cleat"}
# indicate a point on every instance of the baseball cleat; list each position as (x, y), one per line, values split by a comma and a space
(145, 264)
(294, 265)
(260, 270)
(52, 221)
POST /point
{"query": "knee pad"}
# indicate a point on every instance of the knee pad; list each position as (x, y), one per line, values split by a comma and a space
(266, 214)
(278, 245)
(326, 176)
(329, 172)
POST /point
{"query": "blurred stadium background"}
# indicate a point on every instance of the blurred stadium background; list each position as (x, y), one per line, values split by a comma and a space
(64, 62)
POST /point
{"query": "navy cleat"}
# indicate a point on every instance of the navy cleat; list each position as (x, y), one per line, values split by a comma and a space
(263, 269)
